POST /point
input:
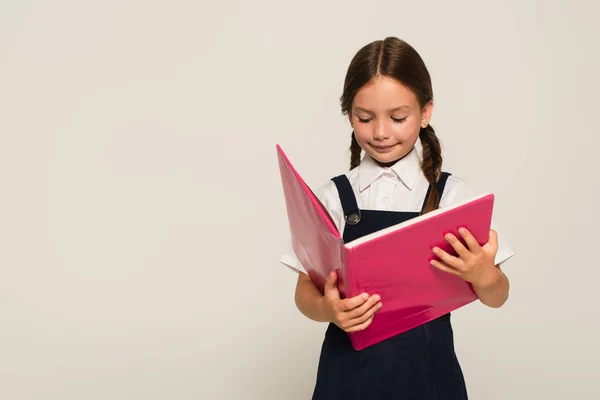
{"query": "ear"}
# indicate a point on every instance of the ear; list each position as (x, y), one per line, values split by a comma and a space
(426, 113)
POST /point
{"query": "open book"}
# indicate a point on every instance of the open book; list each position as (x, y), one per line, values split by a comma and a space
(392, 262)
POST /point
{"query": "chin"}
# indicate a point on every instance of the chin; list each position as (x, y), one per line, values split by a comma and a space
(388, 156)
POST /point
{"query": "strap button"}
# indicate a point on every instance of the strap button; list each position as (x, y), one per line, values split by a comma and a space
(353, 218)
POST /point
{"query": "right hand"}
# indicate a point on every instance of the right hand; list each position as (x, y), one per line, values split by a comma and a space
(352, 314)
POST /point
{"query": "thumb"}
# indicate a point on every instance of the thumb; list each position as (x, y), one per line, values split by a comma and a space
(331, 289)
(493, 240)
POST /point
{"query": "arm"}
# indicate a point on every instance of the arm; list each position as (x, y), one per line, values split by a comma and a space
(495, 292)
(308, 299)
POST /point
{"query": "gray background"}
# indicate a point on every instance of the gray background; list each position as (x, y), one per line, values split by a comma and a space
(142, 216)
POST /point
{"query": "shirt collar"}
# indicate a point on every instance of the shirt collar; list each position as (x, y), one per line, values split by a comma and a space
(406, 169)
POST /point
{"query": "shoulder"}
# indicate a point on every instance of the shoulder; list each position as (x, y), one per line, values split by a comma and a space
(325, 191)
(328, 192)
(456, 190)
(329, 196)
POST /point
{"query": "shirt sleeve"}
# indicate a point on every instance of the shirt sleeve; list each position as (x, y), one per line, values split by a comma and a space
(457, 191)
(328, 196)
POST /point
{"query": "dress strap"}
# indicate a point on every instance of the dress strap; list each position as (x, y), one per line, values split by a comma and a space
(348, 199)
(440, 185)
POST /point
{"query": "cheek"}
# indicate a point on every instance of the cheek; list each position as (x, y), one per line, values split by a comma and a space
(407, 130)
(363, 133)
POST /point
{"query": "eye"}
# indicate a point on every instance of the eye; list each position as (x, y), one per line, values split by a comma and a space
(399, 119)
(364, 120)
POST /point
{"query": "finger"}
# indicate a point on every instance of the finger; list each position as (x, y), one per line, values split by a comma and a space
(360, 327)
(492, 243)
(456, 244)
(448, 259)
(472, 244)
(354, 302)
(331, 289)
(366, 315)
(445, 267)
(331, 278)
(363, 308)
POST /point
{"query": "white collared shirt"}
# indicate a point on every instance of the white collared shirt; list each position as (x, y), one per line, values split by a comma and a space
(401, 187)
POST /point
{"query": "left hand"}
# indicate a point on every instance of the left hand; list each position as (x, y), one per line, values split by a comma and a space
(474, 264)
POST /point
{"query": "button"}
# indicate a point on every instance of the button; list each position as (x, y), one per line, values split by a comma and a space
(353, 218)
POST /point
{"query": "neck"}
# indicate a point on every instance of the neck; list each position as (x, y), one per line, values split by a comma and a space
(388, 164)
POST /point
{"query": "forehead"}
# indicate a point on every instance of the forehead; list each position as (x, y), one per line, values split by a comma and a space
(383, 93)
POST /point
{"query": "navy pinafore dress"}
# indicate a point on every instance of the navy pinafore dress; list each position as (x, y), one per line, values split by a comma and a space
(419, 364)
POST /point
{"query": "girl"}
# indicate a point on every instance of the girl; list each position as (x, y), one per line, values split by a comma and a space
(389, 102)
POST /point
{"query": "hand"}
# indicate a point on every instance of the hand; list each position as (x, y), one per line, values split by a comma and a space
(353, 314)
(474, 264)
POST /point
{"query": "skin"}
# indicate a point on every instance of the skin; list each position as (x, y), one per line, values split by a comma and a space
(387, 117)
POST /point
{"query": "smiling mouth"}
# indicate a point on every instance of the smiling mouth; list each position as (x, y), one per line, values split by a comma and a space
(383, 148)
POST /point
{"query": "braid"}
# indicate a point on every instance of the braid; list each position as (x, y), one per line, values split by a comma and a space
(355, 151)
(431, 164)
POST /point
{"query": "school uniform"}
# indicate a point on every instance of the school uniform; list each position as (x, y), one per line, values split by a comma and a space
(418, 364)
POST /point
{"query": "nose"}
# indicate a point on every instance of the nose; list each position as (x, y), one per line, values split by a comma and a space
(381, 131)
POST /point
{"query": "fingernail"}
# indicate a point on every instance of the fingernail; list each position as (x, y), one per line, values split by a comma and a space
(365, 296)
(377, 297)
(449, 236)
(462, 231)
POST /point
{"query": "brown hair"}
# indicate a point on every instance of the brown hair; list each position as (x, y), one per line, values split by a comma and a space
(396, 59)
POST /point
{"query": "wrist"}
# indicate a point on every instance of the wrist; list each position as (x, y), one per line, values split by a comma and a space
(321, 309)
(489, 280)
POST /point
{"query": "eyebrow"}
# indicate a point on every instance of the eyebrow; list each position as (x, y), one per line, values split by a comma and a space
(391, 110)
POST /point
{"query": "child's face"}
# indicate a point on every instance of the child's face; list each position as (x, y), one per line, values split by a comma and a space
(387, 119)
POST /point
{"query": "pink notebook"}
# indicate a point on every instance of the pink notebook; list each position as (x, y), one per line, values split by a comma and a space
(393, 262)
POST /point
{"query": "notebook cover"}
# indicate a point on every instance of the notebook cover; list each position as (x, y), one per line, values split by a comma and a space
(315, 239)
(396, 266)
